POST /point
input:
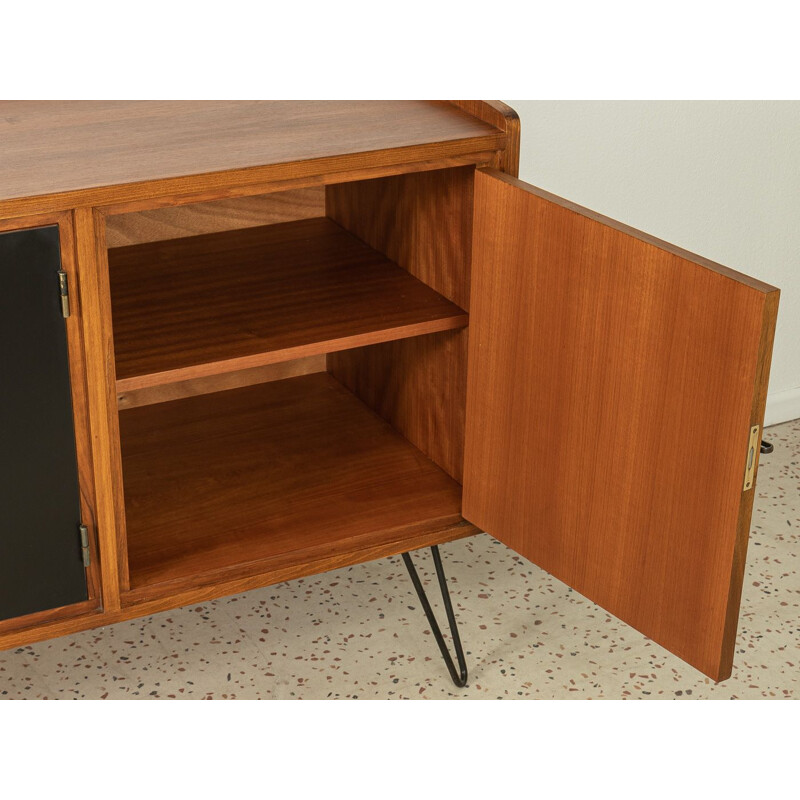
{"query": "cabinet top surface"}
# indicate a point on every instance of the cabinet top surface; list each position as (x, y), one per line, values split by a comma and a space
(53, 147)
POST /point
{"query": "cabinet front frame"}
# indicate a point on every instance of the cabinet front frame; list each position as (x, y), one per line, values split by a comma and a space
(119, 600)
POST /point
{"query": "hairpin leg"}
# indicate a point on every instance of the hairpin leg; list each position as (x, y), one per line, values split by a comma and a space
(766, 447)
(459, 678)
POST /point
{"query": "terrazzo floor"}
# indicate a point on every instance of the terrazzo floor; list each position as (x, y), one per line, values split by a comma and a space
(360, 632)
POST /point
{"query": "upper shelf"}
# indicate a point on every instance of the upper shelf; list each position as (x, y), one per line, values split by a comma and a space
(97, 152)
(221, 302)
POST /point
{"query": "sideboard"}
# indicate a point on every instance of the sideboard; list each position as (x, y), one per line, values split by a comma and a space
(244, 342)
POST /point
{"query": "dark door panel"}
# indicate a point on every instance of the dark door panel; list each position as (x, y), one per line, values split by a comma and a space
(40, 555)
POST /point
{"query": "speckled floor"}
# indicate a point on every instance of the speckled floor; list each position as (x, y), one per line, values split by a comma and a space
(360, 632)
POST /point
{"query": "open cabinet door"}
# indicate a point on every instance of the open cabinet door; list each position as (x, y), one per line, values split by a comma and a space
(614, 386)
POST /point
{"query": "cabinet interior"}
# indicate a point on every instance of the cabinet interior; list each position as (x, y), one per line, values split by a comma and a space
(291, 374)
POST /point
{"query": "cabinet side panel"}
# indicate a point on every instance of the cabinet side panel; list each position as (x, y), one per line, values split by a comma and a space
(417, 385)
(95, 297)
(423, 222)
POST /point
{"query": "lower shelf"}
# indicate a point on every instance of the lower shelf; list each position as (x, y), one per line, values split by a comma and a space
(269, 475)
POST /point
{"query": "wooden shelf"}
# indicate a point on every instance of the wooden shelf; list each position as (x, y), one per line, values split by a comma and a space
(205, 305)
(248, 480)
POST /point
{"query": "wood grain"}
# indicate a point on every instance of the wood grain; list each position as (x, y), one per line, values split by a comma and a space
(23, 630)
(256, 182)
(501, 116)
(219, 383)
(72, 154)
(140, 603)
(174, 222)
(232, 483)
(205, 305)
(95, 301)
(423, 222)
(612, 386)
(80, 405)
(419, 385)
(59, 146)
(759, 405)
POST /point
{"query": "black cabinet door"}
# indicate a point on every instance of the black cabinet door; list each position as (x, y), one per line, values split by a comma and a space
(40, 554)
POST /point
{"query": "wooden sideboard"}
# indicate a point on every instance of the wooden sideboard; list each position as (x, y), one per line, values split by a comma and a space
(244, 342)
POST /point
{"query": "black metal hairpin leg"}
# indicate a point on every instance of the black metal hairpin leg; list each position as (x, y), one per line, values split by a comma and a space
(766, 447)
(460, 677)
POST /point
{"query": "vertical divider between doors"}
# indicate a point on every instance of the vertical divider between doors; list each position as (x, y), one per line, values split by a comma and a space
(79, 389)
(95, 298)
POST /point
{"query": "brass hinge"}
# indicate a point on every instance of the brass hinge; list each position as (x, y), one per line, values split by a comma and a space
(752, 450)
(85, 545)
(63, 289)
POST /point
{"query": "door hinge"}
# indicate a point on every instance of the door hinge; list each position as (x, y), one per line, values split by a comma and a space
(87, 559)
(63, 289)
(752, 450)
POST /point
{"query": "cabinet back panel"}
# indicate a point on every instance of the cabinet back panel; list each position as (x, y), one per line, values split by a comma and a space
(175, 222)
(218, 383)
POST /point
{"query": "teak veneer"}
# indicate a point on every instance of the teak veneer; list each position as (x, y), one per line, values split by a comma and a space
(284, 471)
(59, 155)
(192, 307)
(302, 335)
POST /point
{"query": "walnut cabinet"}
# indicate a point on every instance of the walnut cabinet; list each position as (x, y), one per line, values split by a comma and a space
(246, 342)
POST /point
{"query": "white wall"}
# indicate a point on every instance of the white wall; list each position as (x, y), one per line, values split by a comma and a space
(721, 179)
